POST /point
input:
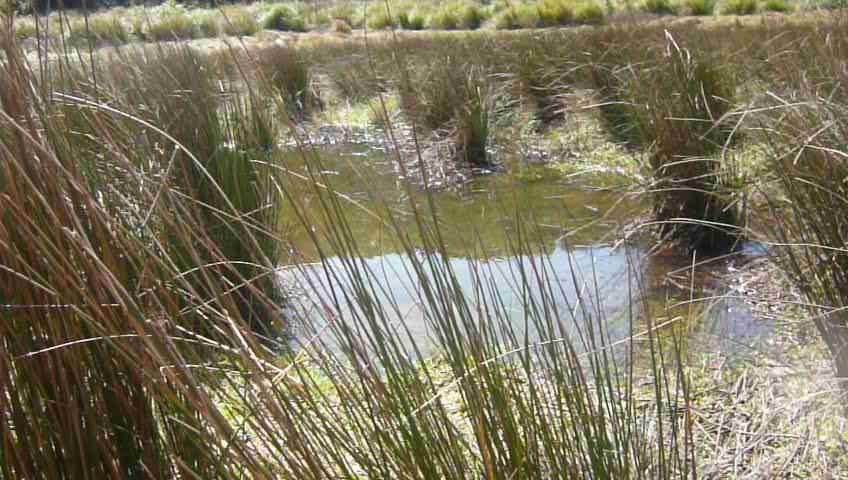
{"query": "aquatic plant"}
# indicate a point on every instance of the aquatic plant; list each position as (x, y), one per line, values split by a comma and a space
(286, 72)
(137, 237)
(431, 98)
(674, 107)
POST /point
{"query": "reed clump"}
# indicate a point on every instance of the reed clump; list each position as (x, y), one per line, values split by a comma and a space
(675, 107)
(287, 73)
(454, 100)
(114, 242)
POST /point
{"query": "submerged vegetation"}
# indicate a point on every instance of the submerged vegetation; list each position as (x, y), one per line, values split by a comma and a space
(149, 195)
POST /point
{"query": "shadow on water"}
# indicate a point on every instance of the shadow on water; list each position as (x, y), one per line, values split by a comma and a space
(576, 263)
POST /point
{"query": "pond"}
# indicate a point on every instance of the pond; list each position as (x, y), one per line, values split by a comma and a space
(515, 239)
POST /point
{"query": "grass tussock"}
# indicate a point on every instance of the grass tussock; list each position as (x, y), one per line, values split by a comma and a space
(173, 25)
(454, 16)
(519, 15)
(739, 7)
(455, 100)
(659, 7)
(675, 108)
(239, 23)
(699, 7)
(288, 75)
(283, 18)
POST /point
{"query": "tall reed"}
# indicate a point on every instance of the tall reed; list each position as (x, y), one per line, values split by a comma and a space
(807, 131)
(98, 304)
(674, 106)
(453, 98)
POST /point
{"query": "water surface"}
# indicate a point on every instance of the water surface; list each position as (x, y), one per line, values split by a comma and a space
(516, 238)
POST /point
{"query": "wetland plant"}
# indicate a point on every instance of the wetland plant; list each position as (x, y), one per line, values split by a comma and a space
(128, 351)
(739, 7)
(116, 291)
(520, 15)
(659, 7)
(170, 24)
(286, 73)
(432, 99)
(555, 12)
(456, 15)
(239, 23)
(283, 18)
(808, 141)
(674, 107)
(699, 7)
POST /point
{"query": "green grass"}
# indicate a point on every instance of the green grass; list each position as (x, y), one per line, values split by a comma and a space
(555, 12)
(412, 20)
(699, 7)
(739, 7)
(589, 13)
(283, 18)
(456, 15)
(170, 25)
(777, 6)
(99, 29)
(518, 16)
(207, 24)
(238, 23)
(378, 17)
(659, 7)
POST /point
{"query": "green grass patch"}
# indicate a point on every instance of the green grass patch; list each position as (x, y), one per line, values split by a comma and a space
(518, 16)
(239, 22)
(207, 23)
(699, 7)
(589, 13)
(555, 12)
(781, 6)
(659, 7)
(456, 15)
(170, 25)
(739, 7)
(283, 18)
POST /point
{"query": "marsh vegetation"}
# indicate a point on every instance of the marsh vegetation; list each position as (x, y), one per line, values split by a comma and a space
(492, 254)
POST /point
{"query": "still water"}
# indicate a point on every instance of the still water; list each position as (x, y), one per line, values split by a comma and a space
(512, 240)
